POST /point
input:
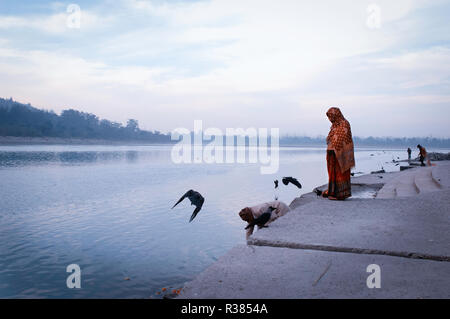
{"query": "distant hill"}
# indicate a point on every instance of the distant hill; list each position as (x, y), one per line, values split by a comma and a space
(17, 119)
(24, 120)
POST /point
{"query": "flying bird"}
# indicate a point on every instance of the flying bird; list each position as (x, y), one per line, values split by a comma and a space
(263, 219)
(287, 180)
(196, 199)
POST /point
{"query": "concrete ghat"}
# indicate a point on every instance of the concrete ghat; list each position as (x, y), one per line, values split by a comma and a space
(266, 272)
(419, 225)
(408, 237)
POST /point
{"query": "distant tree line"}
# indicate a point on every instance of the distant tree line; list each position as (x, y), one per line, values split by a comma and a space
(403, 141)
(371, 141)
(17, 119)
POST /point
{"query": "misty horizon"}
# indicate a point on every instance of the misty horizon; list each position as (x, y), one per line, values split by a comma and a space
(51, 125)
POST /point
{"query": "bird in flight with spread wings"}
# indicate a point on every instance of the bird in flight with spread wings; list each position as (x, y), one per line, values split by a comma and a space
(196, 199)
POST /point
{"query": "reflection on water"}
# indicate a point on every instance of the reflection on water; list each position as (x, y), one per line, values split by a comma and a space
(108, 209)
(23, 158)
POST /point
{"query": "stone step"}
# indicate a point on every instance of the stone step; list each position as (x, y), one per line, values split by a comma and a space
(412, 182)
(406, 186)
(441, 174)
(425, 182)
(388, 191)
(402, 186)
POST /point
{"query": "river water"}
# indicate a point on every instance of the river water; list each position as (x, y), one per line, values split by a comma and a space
(108, 209)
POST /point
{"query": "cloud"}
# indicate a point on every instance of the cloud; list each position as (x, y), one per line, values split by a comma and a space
(256, 46)
(419, 68)
(55, 69)
(256, 63)
(52, 23)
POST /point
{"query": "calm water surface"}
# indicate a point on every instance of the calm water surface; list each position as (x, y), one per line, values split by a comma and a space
(107, 209)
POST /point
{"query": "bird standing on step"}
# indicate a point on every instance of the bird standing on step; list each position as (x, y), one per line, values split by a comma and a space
(263, 219)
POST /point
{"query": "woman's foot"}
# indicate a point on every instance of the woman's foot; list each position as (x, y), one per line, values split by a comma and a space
(337, 198)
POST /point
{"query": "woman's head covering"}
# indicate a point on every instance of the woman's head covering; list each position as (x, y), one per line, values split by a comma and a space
(340, 139)
(334, 114)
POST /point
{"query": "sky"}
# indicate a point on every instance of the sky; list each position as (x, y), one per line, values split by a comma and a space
(234, 63)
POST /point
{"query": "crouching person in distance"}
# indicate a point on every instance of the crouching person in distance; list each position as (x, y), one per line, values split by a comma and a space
(262, 215)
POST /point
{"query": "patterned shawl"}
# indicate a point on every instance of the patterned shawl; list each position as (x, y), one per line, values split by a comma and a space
(340, 139)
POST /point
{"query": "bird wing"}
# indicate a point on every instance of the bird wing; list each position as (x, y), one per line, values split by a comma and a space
(196, 210)
(182, 198)
(198, 205)
(296, 182)
(292, 180)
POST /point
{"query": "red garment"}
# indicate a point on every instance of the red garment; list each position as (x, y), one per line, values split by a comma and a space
(339, 184)
(340, 156)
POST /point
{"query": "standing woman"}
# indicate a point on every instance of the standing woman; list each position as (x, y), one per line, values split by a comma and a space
(340, 156)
